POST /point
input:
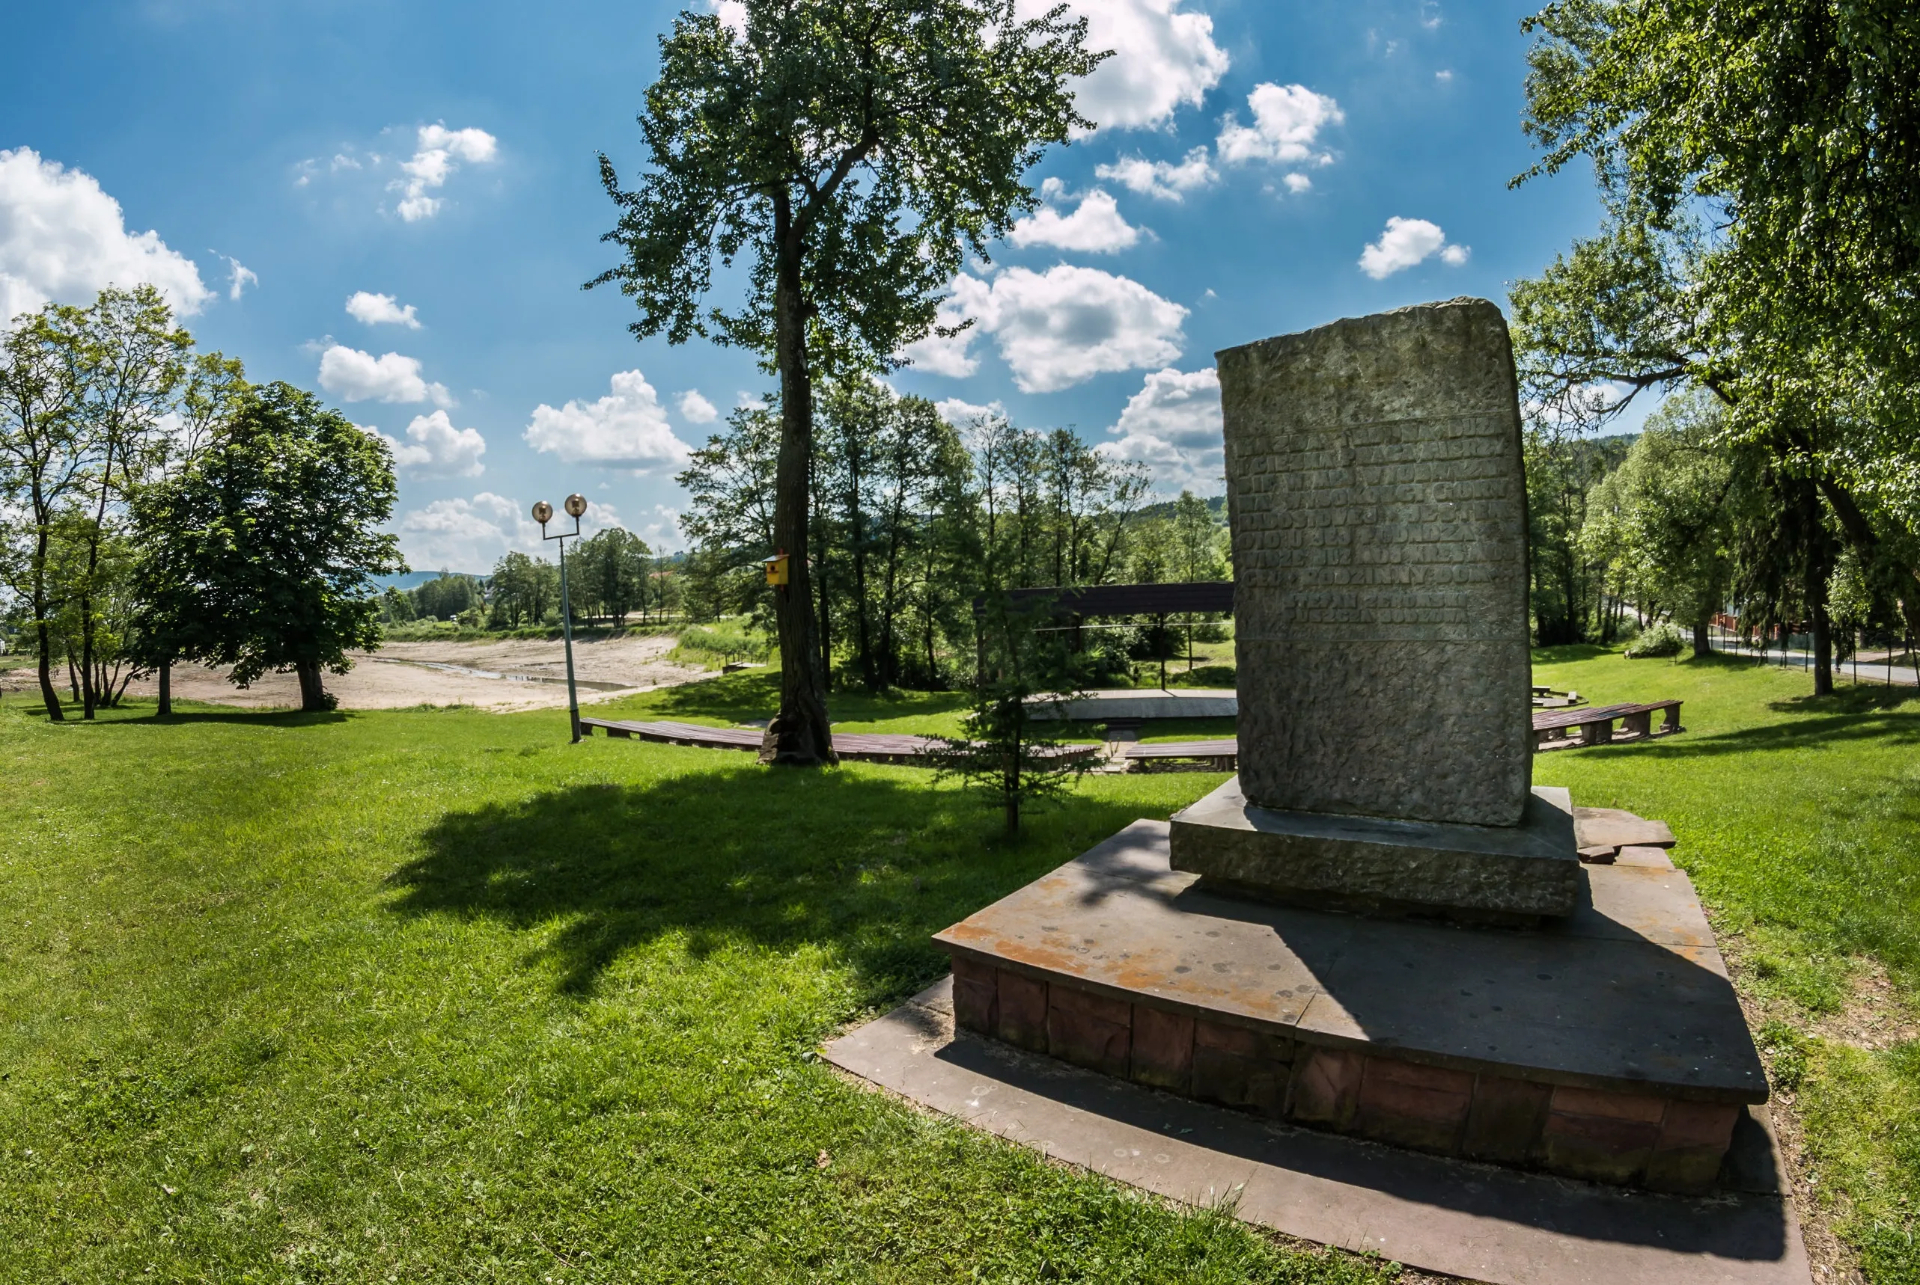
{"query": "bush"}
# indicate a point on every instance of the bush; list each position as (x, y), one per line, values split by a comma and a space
(1661, 640)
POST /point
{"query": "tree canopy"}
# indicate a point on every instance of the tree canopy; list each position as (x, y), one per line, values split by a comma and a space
(853, 151)
(273, 539)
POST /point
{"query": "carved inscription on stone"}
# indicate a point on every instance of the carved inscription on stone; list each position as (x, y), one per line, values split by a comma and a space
(1378, 508)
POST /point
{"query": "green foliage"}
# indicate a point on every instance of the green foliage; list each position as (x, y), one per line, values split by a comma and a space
(1661, 640)
(1760, 241)
(721, 643)
(270, 541)
(865, 148)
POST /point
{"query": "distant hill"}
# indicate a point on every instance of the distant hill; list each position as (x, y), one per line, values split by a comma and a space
(414, 579)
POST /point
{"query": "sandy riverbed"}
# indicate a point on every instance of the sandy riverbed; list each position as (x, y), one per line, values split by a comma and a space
(401, 674)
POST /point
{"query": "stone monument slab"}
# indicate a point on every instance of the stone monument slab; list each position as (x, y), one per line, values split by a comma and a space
(1378, 504)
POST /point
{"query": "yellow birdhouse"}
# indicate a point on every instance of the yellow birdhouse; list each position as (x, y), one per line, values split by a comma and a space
(777, 569)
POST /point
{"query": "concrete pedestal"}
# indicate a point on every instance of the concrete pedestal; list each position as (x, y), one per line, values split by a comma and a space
(1373, 865)
(1608, 1046)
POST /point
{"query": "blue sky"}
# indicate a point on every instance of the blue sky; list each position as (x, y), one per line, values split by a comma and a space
(1261, 168)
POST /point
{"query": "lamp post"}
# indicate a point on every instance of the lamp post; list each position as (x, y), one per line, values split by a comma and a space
(576, 506)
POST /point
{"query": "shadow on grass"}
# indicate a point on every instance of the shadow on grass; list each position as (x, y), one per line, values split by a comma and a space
(143, 715)
(867, 863)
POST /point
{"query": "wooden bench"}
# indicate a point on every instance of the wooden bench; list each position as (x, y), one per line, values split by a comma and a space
(1221, 755)
(1595, 725)
(859, 747)
(1639, 721)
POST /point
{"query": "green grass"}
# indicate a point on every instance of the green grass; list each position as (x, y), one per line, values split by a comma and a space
(1799, 821)
(434, 996)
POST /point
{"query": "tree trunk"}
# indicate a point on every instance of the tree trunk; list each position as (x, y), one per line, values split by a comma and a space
(48, 695)
(313, 694)
(166, 688)
(1702, 643)
(799, 734)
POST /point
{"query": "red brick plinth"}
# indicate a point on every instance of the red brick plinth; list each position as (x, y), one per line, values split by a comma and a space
(1664, 1143)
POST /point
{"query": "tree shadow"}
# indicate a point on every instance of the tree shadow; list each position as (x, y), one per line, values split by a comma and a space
(867, 864)
(144, 716)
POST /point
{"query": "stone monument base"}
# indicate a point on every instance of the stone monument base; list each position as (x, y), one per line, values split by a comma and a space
(1514, 875)
(1608, 1046)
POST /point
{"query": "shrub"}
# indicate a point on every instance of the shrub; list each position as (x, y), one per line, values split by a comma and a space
(1661, 640)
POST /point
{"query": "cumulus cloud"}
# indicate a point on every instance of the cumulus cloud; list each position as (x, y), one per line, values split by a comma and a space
(1163, 179)
(1298, 183)
(1172, 425)
(1094, 227)
(1162, 59)
(696, 409)
(626, 429)
(467, 535)
(962, 414)
(1406, 242)
(439, 154)
(239, 276)
(1287, 120)
(62, 238)
(1058, 328)
(356, 376)
(733, 15)
(435, 448)
(661, 530)
(380, 309)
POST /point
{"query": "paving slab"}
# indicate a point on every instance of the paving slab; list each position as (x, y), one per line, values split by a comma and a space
(1626, 994)
(1475, 1221)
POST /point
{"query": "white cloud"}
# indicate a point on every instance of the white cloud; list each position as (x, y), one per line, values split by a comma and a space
(356, 376)
(1287, 120)
(380, 309)
(239, 276)
(1058, 328)
(1172, 425)
(1162, 179)
(439, 154)
(962, 414)
(627, 429)
(733, 15)
(947, 355)
(1406, 242)
(467, 535)
(435, 448)
(1162, 59)
(662, 532)
(696, 409)
(1297, 183)
(62, 238)
(1095, 226)
(1443, 75)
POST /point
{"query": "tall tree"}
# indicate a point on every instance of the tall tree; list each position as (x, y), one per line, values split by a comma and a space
(41, 462)
(856, 150)
(274, 538)
(1790, 131)
(133, 359)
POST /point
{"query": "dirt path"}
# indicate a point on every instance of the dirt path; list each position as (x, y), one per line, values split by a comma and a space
(509, 675)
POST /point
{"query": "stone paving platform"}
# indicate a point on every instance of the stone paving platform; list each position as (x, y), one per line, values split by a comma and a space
(1609, 1046)
(1475, 1221)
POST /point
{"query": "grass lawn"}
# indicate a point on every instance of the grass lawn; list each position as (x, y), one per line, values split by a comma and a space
(436, 996)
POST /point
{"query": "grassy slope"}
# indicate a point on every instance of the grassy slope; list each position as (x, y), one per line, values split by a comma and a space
(435, 996)
(1799, 821)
